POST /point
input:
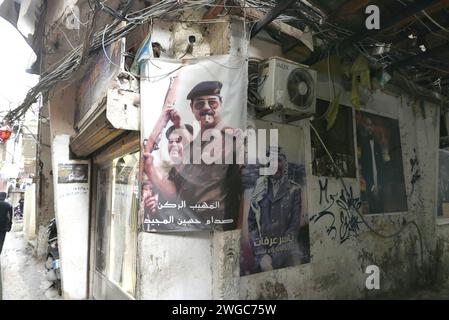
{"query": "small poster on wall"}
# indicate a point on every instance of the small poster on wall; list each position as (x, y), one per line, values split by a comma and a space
(275, 226)
(192, 113)
(380, 162)
(443, 185)
(73, 173)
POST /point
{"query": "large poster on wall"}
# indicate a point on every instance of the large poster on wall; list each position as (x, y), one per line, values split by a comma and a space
(193, 114)
(275, 226)
(381, 169)
(443, 185)
(339, 140)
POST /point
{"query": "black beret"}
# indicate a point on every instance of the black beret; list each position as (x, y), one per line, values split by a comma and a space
(172, 128)
(205, 88)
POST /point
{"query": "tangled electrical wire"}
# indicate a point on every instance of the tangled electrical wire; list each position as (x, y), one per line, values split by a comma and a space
(254, 82)
(306, 15)
(111, 33)
(170, 9)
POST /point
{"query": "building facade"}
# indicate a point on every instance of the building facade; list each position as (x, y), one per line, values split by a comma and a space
(93, 125)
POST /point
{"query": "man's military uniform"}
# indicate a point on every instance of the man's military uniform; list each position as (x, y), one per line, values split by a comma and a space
(209, 183)
(274, 221)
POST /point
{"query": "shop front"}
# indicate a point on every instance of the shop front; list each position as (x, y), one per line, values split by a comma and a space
(114, 221)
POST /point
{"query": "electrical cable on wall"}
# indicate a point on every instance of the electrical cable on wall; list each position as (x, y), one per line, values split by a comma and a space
(115, 31)
(71, 62)
(254, 82)
(340, 178)
(111, 33)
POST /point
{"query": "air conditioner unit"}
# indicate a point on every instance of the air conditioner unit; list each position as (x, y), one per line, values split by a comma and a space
(288, 86)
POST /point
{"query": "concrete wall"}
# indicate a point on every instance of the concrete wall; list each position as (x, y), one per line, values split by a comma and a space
(44, 187)
(70, 205)
(29, 213)
(71, 209)
(210, 262)
(206, 265)
(337, 270)
(187, 265)
(441, 258)
(72, 217)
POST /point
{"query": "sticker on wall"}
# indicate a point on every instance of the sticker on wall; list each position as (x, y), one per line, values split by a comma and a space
(73, 172)
(443, 185)
(381, 169)
(275, 226)
(192, 114)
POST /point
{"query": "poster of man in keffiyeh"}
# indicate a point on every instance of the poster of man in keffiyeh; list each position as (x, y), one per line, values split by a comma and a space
(275, 228)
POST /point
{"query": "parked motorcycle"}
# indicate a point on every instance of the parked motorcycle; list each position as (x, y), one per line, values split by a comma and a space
(53, 263)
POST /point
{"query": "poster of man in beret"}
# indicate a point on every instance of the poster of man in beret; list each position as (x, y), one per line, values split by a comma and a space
(193, 113)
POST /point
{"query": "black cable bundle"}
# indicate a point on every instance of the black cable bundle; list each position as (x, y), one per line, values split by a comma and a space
(254, 82)
(72, 61)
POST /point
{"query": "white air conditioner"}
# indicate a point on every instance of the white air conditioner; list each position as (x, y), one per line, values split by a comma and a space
(288, 86)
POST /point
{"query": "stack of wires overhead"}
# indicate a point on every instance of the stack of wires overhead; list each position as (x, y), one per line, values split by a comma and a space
(111, 33)
(254, 81)
(304, 14)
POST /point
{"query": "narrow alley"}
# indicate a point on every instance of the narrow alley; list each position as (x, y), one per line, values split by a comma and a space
(23, 276)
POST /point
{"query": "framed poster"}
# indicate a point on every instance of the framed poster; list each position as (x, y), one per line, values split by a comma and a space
(380, 162)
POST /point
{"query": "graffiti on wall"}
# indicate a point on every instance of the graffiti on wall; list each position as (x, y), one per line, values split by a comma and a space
(341, 208)
(415, 171)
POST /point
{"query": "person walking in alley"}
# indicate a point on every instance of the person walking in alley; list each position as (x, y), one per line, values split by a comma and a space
(5, 218)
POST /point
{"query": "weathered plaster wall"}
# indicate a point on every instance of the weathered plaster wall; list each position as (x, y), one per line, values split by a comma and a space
(44, 186)
(29, 213)
(205, 265)
(441, 258)
(175, 266)
(72, 215)
(190, 265)
(337, 268)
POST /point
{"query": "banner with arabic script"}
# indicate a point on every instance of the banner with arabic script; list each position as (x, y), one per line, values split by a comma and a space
(193, 116)
(275, 225)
